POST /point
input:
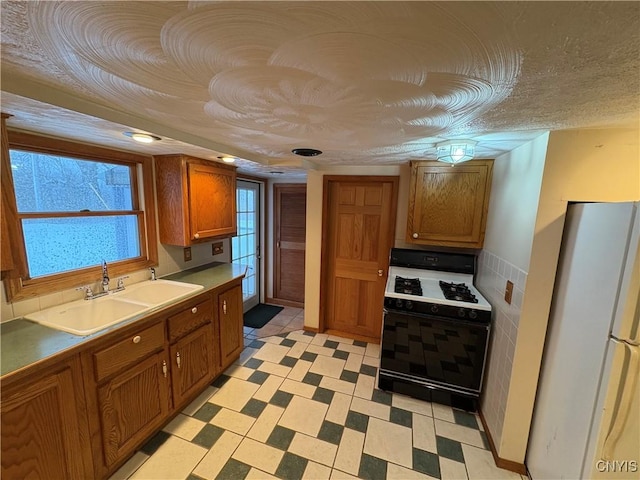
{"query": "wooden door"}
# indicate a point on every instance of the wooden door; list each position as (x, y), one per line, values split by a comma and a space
(132, 406)
(360, 228)
(212, 201)
(230, 321)
(193, 364)
(290, 207)
(41, 427)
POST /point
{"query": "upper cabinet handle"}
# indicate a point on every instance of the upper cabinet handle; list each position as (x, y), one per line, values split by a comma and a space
(224, 307)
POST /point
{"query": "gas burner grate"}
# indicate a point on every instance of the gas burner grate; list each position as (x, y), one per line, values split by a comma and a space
(458, 292)
(409, 286)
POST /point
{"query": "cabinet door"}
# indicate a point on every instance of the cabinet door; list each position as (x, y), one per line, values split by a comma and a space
(230, 318)
(193, 364)
(132, 406)
(212, 201)
(41, 427)
(448, 205)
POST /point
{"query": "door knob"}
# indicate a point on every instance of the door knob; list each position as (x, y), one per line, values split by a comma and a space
(380, 272)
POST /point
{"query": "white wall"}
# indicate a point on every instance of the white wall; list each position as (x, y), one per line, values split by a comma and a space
(513, 205)
(581, 165)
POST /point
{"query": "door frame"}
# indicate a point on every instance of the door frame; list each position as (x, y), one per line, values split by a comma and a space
(262, 208)
(391, 234)
(276, 226)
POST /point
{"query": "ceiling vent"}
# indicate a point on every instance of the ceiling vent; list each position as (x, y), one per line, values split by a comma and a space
(306, 152)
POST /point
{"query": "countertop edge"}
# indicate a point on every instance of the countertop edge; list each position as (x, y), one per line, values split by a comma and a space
(62, 343)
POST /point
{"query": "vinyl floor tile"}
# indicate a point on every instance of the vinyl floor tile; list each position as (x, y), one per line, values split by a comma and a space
(301, 405)
(175, 458)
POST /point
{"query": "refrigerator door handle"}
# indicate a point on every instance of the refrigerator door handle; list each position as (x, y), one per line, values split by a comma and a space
(625, 403)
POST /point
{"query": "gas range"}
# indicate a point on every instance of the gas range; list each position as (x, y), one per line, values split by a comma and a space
(436, 327)
(435, 292)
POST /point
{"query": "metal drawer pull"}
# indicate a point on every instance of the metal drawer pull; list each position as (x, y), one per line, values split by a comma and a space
(164, 368)
(194, 310)
(178, 361)
(224, 307)
(137, 339)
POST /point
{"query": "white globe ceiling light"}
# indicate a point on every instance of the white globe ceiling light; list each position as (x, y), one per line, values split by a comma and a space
(455, 151)
(142, 137)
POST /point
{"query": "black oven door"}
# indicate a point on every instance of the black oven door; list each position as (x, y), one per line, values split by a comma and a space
(434, 351)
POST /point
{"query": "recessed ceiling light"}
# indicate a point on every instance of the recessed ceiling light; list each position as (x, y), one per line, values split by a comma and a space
(142, 137)
(306, 152)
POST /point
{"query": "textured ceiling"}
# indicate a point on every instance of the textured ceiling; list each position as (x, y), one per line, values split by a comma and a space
(368, 83)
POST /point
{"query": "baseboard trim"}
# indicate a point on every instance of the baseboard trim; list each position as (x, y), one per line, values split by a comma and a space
(501, 462)
(352, 336)
(310, 329)
(286, 303)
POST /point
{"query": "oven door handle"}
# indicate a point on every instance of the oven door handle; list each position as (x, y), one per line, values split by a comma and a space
(421, 316)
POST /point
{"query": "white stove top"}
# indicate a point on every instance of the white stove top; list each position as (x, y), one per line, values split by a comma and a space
(431, 291)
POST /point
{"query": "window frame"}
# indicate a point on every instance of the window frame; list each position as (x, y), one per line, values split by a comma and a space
(16, 282)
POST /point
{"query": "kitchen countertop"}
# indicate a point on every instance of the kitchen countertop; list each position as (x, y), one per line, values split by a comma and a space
(23, 342)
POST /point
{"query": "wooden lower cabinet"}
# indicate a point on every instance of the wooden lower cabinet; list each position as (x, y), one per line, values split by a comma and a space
(194, 364)
(132, 406)
(83, 417)
(44, 426)
(229, 302)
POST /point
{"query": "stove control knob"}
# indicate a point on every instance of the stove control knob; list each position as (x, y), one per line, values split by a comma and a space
(473, 314)
(399, 302)
(434, 308)
(408, 305)
(462, 312)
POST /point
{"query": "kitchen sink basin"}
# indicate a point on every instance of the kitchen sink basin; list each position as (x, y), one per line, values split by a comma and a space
(84, 317)
(157, 292)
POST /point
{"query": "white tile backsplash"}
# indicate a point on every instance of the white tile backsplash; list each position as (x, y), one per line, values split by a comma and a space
(493, 273)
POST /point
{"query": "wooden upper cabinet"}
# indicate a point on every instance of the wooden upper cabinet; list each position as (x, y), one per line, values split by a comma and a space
(11, 256)
(448, 205)
(196, 199)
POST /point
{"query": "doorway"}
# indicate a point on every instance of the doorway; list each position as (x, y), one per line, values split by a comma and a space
(358, 233)
(290, 225)
(245, 246)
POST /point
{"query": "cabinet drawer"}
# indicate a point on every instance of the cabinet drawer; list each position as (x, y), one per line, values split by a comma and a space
(129, 350)
(189, 319)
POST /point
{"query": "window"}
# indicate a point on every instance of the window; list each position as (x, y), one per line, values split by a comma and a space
(77, 206)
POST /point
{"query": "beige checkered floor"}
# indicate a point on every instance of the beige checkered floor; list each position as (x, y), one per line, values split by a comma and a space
(301, 405)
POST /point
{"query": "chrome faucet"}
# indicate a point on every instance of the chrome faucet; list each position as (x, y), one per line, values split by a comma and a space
(105, 277)
(153, 273)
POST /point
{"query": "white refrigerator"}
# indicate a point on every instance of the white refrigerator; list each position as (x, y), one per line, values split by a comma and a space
(586, 421)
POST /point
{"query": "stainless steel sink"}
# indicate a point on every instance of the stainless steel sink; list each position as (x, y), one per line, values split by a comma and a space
(84, 317)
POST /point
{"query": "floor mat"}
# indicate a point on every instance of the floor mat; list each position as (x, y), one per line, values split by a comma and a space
(260, 315)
